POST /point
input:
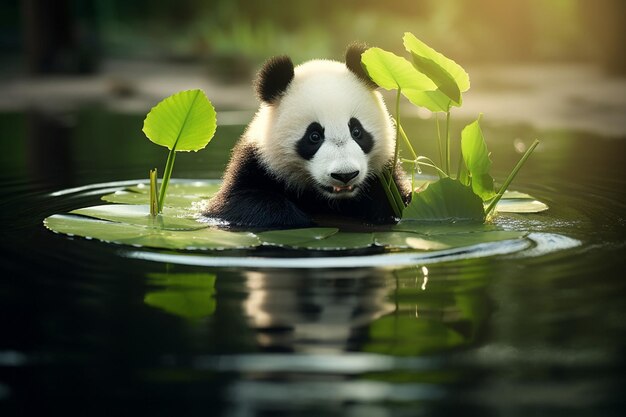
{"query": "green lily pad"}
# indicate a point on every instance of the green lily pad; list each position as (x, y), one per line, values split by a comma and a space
(179, 194)
(171, 219)
(520, 205)
(293, 237)
(129, 234)
(197, 189)
(338, 241)
(439, 242)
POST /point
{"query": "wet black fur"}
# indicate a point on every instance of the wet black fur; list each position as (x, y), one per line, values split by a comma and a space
(250, 196)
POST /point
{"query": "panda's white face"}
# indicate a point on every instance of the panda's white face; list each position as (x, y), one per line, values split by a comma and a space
(328, 131)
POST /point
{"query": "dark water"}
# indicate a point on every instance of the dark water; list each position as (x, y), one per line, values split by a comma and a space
(88, 331)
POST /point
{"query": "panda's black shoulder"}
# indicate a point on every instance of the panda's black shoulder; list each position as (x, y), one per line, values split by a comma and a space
(246, 171)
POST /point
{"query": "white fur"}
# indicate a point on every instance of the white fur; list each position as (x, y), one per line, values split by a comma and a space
(328, 93)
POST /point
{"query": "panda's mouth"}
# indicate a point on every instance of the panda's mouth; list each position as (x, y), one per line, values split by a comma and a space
(340, 189)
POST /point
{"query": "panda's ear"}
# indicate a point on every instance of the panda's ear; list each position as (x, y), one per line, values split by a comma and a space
(353, 62)
(274, 78)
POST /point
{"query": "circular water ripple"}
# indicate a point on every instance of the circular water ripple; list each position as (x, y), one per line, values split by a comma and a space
(533, 245)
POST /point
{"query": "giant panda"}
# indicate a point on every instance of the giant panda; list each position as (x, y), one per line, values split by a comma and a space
(312, 151)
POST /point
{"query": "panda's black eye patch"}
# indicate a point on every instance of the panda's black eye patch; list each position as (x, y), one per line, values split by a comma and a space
(311, 141)
(361, 136)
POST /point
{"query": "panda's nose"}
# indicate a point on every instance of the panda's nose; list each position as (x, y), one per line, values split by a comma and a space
(344, 177)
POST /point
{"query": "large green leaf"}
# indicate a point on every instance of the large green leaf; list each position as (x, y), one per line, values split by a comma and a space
(129, 234)
(433, 100)
(391, 71)
(445, 199)
(476, 157)
(170, 219)
(185, 121)
(442, 70)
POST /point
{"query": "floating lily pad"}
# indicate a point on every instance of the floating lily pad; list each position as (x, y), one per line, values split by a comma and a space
(171, 219)
(293, 237)
(519, 205)
(425, 242)
(130, 234)
(339, 241)
(179, 194)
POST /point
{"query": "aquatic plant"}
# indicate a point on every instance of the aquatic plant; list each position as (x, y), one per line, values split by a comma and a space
(437, 83)
(186, 121)
(183, 122)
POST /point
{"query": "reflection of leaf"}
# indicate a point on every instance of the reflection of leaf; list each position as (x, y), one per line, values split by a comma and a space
(185, 280)
(400, 335)
(191, 304)
(445, 199)
(476, 157)
(185, 121)
(188, 295)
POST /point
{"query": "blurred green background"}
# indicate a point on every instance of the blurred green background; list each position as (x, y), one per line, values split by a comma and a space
(233, 36)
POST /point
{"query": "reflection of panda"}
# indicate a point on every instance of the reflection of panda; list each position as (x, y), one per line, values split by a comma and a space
(314, 148)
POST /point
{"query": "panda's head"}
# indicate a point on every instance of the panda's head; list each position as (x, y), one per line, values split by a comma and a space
(321, 125)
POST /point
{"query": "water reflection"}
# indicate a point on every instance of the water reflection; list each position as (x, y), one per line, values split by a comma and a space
(314, 311)
(187, 295)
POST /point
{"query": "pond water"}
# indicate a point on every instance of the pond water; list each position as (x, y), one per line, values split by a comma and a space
(89, 326)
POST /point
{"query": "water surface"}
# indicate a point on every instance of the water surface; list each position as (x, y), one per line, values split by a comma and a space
(87, 328)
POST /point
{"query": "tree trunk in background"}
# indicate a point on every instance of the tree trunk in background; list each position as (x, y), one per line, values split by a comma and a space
(60, 36)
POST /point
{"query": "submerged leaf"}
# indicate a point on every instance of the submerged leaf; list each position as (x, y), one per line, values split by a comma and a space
(476, 157)
(185, 121)
(445, 199)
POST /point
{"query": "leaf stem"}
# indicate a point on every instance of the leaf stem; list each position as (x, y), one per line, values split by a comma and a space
(448, 142)
(154, 198)
(510, 178)
(407, 141)
(439, 140)
(169, 166)
(392, 201)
